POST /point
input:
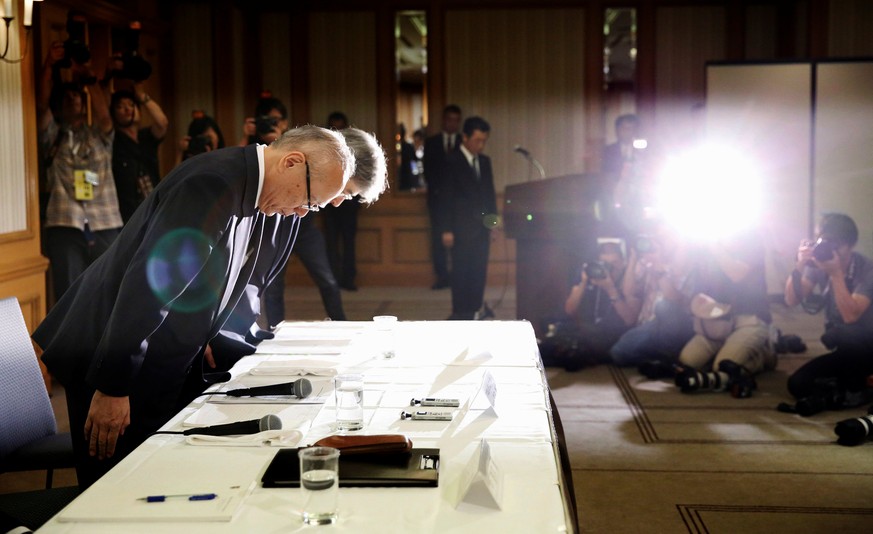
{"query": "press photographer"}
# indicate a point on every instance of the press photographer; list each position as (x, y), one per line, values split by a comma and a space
(82, 216)
(845, 279)
(598, 312)
(135, 150)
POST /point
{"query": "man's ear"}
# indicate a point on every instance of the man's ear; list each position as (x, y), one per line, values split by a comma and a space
(293, 158)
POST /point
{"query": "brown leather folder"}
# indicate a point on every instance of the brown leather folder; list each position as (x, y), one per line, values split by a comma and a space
(377, 443)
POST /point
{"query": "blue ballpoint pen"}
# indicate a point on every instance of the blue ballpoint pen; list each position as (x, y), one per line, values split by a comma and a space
(189, 496)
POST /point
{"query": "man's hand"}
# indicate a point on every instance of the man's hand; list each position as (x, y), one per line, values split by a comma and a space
(107, 419)
(804, 254)
(207, 355)
(832, 266)
(448, 239)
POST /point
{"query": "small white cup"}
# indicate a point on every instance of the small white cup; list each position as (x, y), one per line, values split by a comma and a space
(384, 334)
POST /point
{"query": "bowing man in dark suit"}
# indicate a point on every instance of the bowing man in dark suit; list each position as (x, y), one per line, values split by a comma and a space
(469, 214)
(124, 336)
(436, 151)
(241, 333)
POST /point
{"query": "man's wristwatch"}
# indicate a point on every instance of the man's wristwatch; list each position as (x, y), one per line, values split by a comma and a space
(145, 99)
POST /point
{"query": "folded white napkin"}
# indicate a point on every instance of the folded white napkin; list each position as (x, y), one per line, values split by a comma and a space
(267, 438)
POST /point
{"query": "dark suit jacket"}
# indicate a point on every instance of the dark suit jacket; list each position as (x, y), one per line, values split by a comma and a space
(434, 161)
(612, 160)
(138, 316)
(465, 200)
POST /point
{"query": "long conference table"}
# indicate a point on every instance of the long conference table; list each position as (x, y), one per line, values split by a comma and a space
(492, 367)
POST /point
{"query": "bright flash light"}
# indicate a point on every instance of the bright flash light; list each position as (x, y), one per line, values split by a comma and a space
(710, 193)
(640, 144)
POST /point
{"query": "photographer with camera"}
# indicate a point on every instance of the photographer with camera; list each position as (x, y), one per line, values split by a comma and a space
(732, 318)
(82, 216)
(135, 150)
(846, 279)
(204, 135)
(660, 270)
(601, 310)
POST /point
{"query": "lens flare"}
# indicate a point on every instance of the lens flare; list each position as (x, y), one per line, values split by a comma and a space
(182, 270)
(712, 192)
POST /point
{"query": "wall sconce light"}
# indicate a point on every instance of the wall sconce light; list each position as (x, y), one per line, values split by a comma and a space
(6, 14)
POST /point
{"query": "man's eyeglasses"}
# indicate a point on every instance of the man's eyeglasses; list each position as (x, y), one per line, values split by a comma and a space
(309, 206)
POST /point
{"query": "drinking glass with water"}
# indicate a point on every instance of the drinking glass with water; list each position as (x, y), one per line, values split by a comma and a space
(319, 482)
(349, 392)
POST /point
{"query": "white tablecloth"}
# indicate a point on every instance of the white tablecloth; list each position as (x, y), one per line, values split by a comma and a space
(434, 359)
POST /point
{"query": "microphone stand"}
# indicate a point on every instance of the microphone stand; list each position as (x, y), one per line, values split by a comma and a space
(532, 161)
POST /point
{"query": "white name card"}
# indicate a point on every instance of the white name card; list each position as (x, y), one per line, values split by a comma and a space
(482, 484)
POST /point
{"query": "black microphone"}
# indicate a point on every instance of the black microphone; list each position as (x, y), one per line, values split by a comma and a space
(522, 151)
(267, 422)
(301, 388)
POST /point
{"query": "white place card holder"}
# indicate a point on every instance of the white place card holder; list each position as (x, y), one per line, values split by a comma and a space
(482, 482)
(489, 387)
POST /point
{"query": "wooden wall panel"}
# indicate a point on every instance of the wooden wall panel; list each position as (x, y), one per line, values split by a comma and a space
(850, 23)
(760, 37)
(278, 61)
(193, 68)
(22, 267)
(686, 38)
(523, 71)
(342, 67)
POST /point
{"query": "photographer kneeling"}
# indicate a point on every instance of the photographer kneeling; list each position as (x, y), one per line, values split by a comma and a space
(837, 379)
(601, 311)
(732, 316)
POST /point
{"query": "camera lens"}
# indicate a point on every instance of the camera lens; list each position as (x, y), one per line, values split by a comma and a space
(824, 250)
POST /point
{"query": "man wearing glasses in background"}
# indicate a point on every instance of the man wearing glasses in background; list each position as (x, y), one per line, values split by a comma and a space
(124, 336)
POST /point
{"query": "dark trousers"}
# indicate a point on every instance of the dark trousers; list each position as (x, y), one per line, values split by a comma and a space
(469, 272)
(341, 227)
(850, 365)
(438, 253)
(70, 254)
(309, 247)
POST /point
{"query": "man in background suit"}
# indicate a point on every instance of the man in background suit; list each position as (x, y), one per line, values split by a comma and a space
(468, 214)
(436, 150)
(124, 336)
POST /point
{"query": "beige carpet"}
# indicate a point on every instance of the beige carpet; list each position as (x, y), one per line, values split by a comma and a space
(647, 458)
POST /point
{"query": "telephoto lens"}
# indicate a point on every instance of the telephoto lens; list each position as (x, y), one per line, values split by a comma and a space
(852, 432)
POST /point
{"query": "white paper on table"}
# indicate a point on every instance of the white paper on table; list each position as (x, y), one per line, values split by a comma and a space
(266, 438)
(172, 469)
(298, 367)
(303, 346)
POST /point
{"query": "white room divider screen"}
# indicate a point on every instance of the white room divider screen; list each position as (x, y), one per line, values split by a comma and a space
(809, 126)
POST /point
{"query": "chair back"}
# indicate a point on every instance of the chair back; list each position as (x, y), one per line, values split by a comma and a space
(25, 410)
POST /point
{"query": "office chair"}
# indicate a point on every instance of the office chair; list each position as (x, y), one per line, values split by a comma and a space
(28, 433)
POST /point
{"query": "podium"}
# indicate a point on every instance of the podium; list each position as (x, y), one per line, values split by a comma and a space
(555, 223)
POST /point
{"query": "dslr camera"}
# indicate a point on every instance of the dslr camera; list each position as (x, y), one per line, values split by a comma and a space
(265, 124)
(199, 144)
(644, 244)
(824, 249)
(133, 66)
(595, 270)
(75, 48)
